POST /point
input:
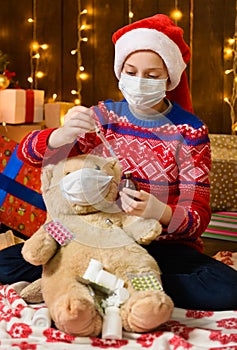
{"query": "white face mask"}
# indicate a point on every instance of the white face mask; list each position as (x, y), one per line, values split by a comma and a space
(142, 91)
(85, 186)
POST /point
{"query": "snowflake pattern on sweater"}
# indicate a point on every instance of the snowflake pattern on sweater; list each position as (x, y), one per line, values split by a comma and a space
(169, 156)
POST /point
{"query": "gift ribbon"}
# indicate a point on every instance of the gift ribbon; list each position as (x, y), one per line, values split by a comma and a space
(29, 110)
(9, 185)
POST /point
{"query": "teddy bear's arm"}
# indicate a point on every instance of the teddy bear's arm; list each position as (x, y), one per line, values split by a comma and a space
(143, 231)
(39, 248)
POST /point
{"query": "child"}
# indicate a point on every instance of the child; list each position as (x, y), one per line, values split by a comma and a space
(153, 134)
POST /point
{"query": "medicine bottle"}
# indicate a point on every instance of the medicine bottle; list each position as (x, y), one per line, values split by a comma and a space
(129, 181)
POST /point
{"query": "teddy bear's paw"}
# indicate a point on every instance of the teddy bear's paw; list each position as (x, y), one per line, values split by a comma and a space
(146, 310)
(76, 316)
(32, 293)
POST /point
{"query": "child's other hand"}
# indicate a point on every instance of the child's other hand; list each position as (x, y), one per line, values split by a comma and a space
(144, 204)
(77, 121)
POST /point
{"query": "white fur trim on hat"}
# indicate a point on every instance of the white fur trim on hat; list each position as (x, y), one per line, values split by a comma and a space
(150, 39)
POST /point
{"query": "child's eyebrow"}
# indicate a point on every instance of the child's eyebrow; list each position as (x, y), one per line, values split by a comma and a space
(148, 68)
(128, 64)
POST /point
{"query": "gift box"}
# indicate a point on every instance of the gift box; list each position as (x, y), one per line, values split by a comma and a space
(55, 112)
(18, 132)
(21, 204)
(223, 172)
(19, 106)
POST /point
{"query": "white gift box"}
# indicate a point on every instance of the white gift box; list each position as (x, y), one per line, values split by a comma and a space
(55, 112)
(18, 106)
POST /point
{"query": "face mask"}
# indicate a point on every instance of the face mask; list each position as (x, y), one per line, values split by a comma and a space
(142, 91)
(85, 186)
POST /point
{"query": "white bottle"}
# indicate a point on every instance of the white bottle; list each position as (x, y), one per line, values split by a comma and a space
(112, 325)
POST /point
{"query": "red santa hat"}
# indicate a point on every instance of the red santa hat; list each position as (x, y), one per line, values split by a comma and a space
(159, 34)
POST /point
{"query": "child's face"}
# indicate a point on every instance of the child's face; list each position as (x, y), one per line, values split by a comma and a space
(145, 64)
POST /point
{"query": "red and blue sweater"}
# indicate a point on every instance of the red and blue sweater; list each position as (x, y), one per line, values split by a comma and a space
(169, 156)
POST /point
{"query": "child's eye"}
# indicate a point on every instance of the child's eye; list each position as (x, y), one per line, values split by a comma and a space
(151, 76)
(97, 167)
(130, 73)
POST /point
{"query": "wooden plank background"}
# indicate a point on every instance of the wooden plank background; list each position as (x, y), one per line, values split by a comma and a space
(213, 24)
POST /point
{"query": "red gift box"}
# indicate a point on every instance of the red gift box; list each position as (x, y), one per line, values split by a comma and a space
(21, 204)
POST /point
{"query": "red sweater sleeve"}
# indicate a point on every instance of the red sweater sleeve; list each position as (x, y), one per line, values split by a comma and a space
(34, 150)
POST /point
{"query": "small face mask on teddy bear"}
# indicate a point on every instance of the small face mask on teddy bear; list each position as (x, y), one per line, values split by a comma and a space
(79, 186)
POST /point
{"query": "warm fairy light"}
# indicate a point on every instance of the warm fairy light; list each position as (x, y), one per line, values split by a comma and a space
(84, 76)
(176, 15)
(54, 97)
(85, 39)
(234, 127)
(74, 92)
(228, 71)
(30, 80)
(226, 100)
(39, 74)
(77, 101)
(37, 56)
(228, 52)
(231, 41)
(44, 46)
(84, 12)
(130, 14)
(30, 20)
(73, 52)
(81, 68)
(34, 45)
(83, 27)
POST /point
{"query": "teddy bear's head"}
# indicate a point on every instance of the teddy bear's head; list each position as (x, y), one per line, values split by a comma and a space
(81, 185)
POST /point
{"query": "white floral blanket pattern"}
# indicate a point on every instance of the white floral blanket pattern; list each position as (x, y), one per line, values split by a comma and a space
(187, 329)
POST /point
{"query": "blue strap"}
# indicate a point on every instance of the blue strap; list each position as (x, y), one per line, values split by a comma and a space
(13, 166)
(22, 192)
(9, 185)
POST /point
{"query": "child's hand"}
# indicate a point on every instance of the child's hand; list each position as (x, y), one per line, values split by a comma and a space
(144, 204)
(77, 121)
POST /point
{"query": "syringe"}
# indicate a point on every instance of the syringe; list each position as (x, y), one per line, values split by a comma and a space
(105, 142)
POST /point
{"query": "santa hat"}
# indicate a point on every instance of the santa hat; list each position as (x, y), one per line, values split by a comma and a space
(159, 34)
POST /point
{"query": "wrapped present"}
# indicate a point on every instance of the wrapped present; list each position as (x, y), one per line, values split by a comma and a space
(21, 205)
(18, 132)
(223, 172)
(19, 106)
(55, 112)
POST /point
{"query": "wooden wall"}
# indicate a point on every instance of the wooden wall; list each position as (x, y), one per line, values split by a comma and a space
(213, 24)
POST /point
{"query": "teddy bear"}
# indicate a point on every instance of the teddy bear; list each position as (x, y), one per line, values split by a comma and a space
(96, 272)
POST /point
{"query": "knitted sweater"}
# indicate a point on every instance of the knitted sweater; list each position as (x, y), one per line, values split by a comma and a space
(169, 156)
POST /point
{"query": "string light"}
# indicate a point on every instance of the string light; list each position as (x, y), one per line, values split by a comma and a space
(35, 47)
(231, 52)
(191, 18)
(82, 26)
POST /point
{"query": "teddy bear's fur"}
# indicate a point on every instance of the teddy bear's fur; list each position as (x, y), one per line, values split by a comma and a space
(101, 232)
